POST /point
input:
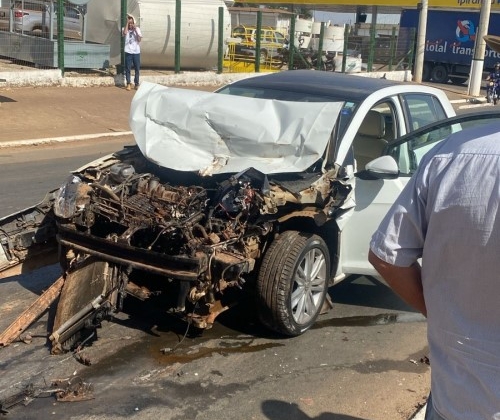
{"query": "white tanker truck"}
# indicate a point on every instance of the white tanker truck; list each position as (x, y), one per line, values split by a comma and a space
(156, 18)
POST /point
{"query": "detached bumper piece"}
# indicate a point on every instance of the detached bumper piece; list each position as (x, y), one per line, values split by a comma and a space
(175, 267)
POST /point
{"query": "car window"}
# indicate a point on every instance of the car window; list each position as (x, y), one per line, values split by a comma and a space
(410, 149)
(268, 36)
(239, 32)
(422, 109)
(377, 129)
(280, 38)
(71, 13)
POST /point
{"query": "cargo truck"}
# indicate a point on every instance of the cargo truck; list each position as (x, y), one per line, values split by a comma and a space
(449, 42)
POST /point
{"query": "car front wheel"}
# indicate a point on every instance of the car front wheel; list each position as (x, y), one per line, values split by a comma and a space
(293, 282)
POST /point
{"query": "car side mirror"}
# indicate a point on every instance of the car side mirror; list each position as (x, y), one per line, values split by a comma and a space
(383, 167)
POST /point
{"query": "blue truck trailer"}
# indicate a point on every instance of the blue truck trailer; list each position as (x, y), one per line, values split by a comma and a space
(449, 42)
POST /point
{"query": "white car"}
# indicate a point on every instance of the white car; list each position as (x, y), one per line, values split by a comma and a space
(270, 187)
(38, 18)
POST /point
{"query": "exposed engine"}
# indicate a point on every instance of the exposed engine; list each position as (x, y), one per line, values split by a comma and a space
(126, 227)
(207, 237)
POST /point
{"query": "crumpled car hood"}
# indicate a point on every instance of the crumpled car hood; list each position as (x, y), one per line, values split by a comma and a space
(213, 133)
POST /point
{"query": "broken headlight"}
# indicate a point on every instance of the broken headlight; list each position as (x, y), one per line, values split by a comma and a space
(65, 204)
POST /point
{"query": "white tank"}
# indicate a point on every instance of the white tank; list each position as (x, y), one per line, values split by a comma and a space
(333, 38)
(156, 18)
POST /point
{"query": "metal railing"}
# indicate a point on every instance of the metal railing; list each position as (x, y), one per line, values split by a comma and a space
(356, 53)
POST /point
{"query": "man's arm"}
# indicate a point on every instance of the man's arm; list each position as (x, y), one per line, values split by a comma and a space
(405, 281)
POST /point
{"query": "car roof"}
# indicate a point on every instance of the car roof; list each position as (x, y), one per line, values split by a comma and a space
(337, 85)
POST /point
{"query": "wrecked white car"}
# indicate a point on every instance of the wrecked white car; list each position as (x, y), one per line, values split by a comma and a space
(248, 190)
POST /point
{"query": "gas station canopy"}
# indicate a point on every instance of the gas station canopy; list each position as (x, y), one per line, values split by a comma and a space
(383, 6)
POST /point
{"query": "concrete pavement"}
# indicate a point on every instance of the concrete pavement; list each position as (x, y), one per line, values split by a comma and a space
(37, 107)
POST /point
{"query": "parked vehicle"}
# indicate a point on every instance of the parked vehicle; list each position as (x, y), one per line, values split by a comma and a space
(273, 189)
(307, 59)
(449, 42)
(271, 41)
(35, 17)
(492, 91)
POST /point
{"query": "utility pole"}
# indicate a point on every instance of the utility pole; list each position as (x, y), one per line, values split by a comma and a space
(476, 73)
(419, 53)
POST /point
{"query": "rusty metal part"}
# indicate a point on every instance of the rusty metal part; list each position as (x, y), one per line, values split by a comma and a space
(73, 389)
(69, 389)
(35, 310)
(140, 292)
(25, 262)
(205, 318)
(23, 397)
(318, 215)
(188, 268)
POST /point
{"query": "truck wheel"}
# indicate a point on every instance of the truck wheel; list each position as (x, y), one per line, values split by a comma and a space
(293, 282)
(439, 74)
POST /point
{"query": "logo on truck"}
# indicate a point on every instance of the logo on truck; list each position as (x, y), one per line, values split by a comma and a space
(466, 31)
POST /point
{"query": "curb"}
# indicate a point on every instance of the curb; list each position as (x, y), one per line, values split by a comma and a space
(420, 414)
(54, 77)
(51, 140)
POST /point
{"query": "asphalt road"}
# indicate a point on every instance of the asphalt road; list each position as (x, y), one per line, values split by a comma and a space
(56, 113)
(363, 360)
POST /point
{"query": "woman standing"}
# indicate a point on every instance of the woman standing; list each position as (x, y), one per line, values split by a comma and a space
(133, 36)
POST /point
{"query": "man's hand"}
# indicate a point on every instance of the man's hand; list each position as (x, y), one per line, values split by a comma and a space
(405, 281)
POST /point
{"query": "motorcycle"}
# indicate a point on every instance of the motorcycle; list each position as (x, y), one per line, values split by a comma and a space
(307, 58)
(492, 91)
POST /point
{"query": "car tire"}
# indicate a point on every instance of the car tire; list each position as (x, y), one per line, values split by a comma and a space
(439, 74)
(293, 282)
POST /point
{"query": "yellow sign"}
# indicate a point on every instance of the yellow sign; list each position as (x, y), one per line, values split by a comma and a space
(393, 3)
(453, 4)
(461, 4)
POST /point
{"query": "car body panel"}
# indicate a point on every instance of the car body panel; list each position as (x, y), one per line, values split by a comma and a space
(170, 124)
(374, 197)
(407, 104)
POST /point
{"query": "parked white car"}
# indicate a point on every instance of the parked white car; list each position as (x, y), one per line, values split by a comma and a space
(270, 187)
(34, 17)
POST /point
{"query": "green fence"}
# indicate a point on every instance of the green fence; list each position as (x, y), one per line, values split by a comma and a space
(56, 41)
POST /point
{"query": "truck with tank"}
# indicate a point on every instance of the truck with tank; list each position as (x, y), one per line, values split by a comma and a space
(450, 40)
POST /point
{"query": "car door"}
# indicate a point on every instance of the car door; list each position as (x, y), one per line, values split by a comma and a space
(376, 191)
